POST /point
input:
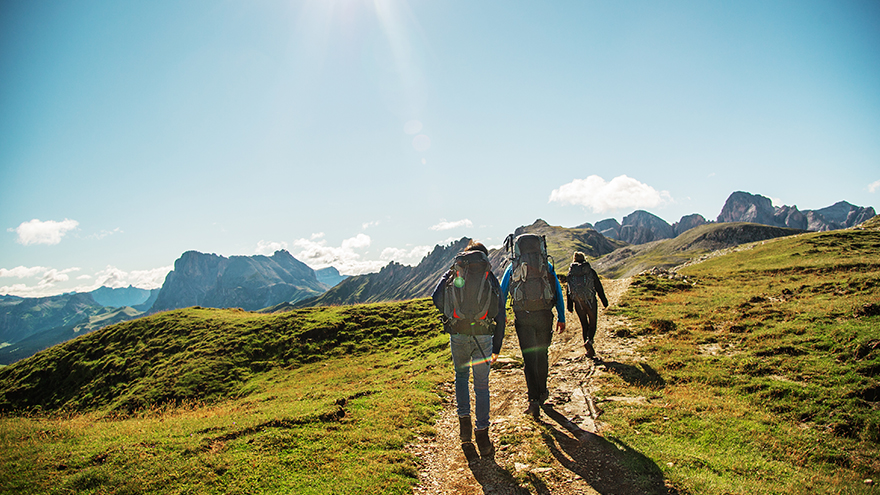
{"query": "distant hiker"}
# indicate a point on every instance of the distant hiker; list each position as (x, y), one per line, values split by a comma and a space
(583, 285)
(534, 290)
(468, 296)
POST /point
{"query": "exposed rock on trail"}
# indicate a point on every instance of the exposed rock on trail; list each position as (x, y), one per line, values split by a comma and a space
(571, 429)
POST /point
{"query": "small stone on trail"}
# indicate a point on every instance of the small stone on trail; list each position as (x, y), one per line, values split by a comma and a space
(519, 466)
(542, 470)
(869, 481)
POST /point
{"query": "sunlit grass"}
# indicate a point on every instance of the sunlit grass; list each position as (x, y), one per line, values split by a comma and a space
(766, 364)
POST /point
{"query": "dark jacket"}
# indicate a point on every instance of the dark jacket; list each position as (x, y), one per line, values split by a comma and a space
(599, 291)
(439, 297)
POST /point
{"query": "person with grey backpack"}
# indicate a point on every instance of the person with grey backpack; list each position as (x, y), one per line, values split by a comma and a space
(468, 297)
(530, 282)
(583, 286)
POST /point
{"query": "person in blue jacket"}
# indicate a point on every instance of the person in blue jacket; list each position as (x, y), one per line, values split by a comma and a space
(473, 351)
(534, 329)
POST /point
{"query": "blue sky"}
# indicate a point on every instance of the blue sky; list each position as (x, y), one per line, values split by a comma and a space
(356, 132)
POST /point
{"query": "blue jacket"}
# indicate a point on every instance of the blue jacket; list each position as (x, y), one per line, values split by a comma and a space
(560, 301)
(439, 298)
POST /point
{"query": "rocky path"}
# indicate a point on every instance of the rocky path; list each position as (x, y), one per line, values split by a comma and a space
(584, 462)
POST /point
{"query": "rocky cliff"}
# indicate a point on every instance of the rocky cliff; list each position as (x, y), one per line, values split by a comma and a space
(393, 282)
(247, 282)
(746, 207)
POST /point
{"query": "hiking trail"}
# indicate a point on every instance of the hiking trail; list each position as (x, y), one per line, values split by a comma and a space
(584, 462)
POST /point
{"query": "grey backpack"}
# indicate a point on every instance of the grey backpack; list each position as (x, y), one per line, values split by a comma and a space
(531, 287)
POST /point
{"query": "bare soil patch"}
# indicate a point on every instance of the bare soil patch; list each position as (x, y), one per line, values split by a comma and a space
(585, 458)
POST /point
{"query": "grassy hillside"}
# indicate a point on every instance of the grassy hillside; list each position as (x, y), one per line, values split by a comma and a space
(762, 375)
(562, 242)
(668, 253)
(223, 401)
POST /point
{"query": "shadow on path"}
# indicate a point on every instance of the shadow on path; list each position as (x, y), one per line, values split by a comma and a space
(607, 464)
(646, 376)
(492, 477)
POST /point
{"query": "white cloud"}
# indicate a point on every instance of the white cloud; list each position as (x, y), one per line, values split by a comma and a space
(874, 186)
(777, 202)
(367, 225)
(23, 272)
(104, 233)
(444, 225)
(48, 232)
(317, 254)
(268, 248)
(598, 195)
(49, 278)
(411, 256)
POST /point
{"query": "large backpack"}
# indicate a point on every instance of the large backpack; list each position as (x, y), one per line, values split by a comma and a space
(470, 299)
(531, 288)
(581, 284)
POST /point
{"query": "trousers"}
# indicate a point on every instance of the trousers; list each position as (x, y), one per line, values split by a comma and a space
(534, 329)
(588, 316)
(472, 353)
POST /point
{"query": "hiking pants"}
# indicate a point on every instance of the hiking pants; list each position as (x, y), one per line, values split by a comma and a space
(588, 316)
(472, 352)
(534, 329)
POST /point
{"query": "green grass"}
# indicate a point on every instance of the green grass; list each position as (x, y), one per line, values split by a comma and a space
(766, 365)
(333, 420)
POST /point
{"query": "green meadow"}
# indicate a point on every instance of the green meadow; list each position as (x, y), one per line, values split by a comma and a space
(760, 371)
(758, 374)
(224, 401)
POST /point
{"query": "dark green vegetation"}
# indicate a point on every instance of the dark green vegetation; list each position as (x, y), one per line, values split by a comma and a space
(224, 401)
(761, 369)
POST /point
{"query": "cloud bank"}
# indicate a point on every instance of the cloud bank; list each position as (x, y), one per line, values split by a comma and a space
(444, 225)
(598, 195)
(48, 232)
(347, 257)
(874, 186)
(50, 278)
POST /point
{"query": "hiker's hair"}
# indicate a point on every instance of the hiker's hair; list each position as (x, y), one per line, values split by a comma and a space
(579, 257)
(476, 246)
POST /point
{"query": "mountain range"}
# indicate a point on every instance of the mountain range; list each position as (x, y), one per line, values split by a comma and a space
(281, 282)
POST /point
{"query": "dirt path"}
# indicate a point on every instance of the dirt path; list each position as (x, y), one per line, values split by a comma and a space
(583, 461)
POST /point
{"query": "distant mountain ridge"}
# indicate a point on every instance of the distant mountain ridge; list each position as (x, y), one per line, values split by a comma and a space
(746, 207)
(247, 282)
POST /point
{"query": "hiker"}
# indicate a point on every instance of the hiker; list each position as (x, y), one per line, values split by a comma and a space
(583, 286)
(531, 281)
(473, 315)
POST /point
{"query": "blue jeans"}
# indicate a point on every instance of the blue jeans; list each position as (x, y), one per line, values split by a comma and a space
(472, 352)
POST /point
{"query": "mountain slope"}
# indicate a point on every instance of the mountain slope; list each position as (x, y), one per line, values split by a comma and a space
(668, 253)
(561, 244)
(248, 282)
(25, 317)
(394, 282)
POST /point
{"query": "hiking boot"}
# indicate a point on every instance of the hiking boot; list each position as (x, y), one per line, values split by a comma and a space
(464, 429)
(483, 442)
(544, 397)
(588, 346)
(534, 410)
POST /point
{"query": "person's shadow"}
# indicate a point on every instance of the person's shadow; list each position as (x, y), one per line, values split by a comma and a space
(646, 376)
(607, 464)
(493, 478)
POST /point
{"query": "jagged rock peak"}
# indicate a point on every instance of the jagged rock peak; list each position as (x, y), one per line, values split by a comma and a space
(746, 207)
